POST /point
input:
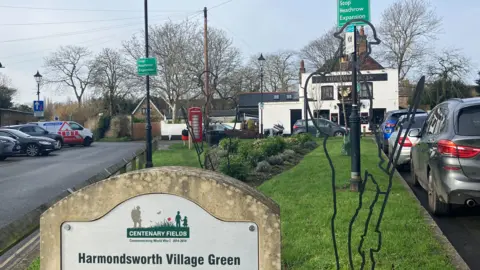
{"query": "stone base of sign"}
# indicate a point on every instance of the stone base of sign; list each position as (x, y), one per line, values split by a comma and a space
(223, 197)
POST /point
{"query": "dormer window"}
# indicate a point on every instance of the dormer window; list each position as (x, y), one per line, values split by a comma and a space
(289, 96)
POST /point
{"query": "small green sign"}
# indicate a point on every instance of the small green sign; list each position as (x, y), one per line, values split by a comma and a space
(147, 67)
(353, 9)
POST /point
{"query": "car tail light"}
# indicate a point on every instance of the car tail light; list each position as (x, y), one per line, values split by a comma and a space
(390, 125)
(295, 126)
(449, 148)
(407, 142)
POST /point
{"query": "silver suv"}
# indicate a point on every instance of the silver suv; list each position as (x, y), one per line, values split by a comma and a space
(446, 159)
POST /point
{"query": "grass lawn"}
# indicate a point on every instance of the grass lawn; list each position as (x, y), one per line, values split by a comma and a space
(177, 155)
(305, 197)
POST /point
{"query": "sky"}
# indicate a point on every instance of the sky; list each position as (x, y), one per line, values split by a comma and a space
(255, 26)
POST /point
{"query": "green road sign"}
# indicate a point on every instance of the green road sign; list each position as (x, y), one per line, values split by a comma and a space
(353, 9)
(147, 67)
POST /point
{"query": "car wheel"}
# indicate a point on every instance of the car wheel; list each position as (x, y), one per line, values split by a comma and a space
(58, 144)
(71, 145)
(32, 150)
(435, 206)
(87, 141)
(2, 158)
(338, 134)
(413, 179)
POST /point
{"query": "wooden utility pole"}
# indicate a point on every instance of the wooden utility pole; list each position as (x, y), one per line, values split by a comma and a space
(207, 81)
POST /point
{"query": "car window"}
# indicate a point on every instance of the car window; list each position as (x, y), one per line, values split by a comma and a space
(39, 130)
(27, 129)
(5, 134)
(75, 126)
(322, 123)
(469, 121)
(436, 121)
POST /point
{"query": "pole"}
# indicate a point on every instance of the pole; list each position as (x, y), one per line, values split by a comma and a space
(207, 81)
(38, 91)
(261, 101)
(148, 127)
(355, 122)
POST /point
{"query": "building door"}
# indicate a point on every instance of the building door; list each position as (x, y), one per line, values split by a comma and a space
(294, 116)
(378, 115)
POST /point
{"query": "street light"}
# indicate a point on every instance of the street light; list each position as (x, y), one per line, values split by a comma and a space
(38, 78)
(261, 61)
(1, 66)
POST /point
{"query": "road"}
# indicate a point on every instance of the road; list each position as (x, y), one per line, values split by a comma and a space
(462, 228)
(26, 183)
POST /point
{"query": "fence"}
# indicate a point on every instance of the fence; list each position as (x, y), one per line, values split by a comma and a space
(139, 132)
(174, 131)
(17, 230)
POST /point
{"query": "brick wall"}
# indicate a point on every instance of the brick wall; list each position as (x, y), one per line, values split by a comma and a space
(139, 132)
(13, 117)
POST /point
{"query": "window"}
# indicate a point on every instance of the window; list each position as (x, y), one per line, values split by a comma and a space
(39, 130)
(469, 121)
(75, 126)
(289, 96)
(4, 134)
(144, 111)
(327, 93)
(364, 90)
(276, 96)
(27, 129)
(436, 122)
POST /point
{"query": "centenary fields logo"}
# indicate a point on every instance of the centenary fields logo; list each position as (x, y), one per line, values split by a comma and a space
(168, 228)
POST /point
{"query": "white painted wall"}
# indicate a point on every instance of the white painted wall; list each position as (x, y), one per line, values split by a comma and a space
(278, 113)
(176, 129)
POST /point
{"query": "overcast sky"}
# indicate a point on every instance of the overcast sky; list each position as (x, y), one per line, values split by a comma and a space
(254, 25)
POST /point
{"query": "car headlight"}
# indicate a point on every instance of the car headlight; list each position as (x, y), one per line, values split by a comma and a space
(45, 143)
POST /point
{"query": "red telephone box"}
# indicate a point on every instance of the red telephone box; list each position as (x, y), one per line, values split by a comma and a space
(195, 119)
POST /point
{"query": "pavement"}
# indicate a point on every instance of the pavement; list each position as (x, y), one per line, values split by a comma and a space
(462, 227)
(26, 183)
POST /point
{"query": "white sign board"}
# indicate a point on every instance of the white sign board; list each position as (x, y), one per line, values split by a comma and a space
(38, 114)
(159, 231)
(349, 42)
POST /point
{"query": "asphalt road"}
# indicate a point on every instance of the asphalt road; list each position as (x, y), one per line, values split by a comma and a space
(462, 227)
(26, 183)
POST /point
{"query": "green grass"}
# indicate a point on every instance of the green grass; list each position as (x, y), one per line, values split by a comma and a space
(177, 155)
(121, 139)
(305, 197)
(35, 265)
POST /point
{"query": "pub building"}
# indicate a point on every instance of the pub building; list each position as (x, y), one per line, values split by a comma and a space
(325, 94)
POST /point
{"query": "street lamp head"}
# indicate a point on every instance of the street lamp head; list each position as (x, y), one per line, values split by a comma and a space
(261, 59)
(1, 66)
(38, 77)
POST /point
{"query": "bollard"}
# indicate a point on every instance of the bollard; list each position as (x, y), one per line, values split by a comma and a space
(364, 131)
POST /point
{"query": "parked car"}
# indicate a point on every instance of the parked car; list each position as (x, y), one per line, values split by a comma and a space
(8, 147)
(326, 126)
(404, 157)
(446, 159)
(31, 146)
(388, 125)
(37, 131)
(72, 132)
(217, 132)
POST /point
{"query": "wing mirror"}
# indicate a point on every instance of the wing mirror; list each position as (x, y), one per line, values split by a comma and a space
(45, 132)
(415, 133)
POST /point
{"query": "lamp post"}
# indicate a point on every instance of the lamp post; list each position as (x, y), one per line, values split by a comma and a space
(261, 60)
(1, 66)
(38, 79)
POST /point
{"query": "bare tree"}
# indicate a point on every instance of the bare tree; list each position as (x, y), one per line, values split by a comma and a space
(174, 46)
(447, 67)
(321, 50)
(70, 67)
(112, 77)
(407, 29)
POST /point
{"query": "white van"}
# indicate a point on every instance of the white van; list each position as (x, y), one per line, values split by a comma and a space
(72, 132)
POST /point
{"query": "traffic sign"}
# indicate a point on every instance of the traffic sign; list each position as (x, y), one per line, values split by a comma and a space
(261, 105)
(349, 28)
(147, 67)
(38, 108)
(353, 9)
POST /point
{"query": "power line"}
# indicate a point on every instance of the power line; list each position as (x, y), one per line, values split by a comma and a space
(68, 22)
(92, 10)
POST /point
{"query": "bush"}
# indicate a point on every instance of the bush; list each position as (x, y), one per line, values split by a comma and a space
(263, 166)
(272, 145)
(291, 141)
(233, 143)
(303, 137)
(251, 152)
(102, 127)
(237, 168)
(310, 145)
(275, 160)
(251, 124)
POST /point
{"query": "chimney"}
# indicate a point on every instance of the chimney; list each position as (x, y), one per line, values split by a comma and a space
(362, 42)
(302, 70)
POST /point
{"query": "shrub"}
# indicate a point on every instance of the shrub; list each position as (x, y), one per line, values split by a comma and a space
(310, 145)
(233, 143)
(303, 137)
(251, 152)
(251, 124)
(237, 168)
(291, 141)
(102, 127)
(272, 145)
(275, 160)
(263, 166)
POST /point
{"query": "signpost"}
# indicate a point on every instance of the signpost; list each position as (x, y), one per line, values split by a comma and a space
(147, 67)
(353, 9)
(171, 218)
(38, 108)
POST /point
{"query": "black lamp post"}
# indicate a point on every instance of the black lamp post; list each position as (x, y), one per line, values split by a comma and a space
(261, 60)
(1, 66)
(38, 79)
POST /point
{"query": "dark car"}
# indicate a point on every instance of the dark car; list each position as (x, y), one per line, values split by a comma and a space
(31, 146)
(217, 132)
(389, 123)
(8, 147)
(446, 159)
(36, 131)
(326, 126)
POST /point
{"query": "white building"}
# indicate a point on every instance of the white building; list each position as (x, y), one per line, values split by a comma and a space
(325, 97)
